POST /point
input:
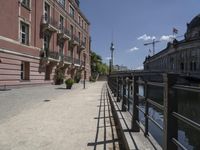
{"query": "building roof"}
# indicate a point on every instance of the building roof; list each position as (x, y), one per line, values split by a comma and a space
(195, 22)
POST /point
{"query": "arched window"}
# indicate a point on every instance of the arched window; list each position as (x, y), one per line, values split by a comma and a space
(194, 66)
(182, 66)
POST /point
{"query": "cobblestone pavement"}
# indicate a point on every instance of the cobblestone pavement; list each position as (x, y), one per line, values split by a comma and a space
(53, 118)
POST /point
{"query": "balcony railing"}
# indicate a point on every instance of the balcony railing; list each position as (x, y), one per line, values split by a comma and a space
(75, 38)
(83, 45)
(68, 33)
(68, 59)
(53, 55)
(77, 61)
(46, 53)
(61, 28)
(50, 23)
(82, 63)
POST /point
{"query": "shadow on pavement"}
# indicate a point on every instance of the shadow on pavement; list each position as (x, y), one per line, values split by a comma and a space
(106, 136)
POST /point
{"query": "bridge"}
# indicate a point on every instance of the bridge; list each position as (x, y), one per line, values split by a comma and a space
(119, 114)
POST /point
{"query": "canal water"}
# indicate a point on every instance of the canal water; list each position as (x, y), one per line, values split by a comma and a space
(188, 106)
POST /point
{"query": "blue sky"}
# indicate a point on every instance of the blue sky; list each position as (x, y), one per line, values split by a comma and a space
(131, 19)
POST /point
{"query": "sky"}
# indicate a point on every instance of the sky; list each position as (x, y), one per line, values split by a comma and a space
(131, 23)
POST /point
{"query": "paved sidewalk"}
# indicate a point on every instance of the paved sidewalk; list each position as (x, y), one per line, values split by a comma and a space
(69, 121)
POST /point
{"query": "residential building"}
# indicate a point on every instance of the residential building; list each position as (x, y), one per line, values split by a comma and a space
(181, 57)
(37, 37)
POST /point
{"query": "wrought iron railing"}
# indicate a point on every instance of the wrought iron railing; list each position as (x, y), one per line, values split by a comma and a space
(125, 87)
(68, 33)
(53, 55)
(77, 61)
(68, 59)
(75, 38)
(49, 20)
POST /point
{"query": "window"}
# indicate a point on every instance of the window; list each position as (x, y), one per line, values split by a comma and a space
(72, 30)
(71, 11)
(82, 24)
(24, 33)
(79, 35)
(25, 71)
(46, 41)
(193, 66)
(70, 53)
(61, 22)
(85, 26)
(61, 46)
(26, 3)
(46, 12)
(182, 66)
(84, 40)
(79, 20)
(79, 55)
(62, 2)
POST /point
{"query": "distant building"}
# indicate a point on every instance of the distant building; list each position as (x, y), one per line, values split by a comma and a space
(37, 37)
(120, 68)
(182, 57)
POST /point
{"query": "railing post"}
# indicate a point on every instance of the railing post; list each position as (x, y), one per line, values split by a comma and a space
(135, 118)
(118, 92)
(128, 95)
(115, 87)
(123, 96)
(146, 109)
(170, 105)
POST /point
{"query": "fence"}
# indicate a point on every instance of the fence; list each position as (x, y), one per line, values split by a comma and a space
(125, 87)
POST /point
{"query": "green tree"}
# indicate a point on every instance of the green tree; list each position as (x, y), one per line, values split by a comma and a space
(97, 66)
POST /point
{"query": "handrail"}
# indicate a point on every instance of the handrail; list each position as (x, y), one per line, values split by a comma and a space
(118, 82)
(157, 105)
(187, 121)
(187, 88)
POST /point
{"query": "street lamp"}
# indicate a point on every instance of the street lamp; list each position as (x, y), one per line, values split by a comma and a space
(84, 78)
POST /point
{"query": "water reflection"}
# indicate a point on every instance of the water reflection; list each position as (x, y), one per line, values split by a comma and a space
(188, 106)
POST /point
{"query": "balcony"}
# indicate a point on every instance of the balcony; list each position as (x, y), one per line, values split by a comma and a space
(63, 34)
(48, 23)
(68, 59)
(82, 63)
(74, 40)
(82, 45)
(50, 55)
(68, 33)
(77, 61)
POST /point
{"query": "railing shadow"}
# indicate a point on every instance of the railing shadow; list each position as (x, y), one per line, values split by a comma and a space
(106, 135)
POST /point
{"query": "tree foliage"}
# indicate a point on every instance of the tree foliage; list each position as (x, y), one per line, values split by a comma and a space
(97, 66)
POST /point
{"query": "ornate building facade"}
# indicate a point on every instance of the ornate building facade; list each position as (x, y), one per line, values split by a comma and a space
(181, 57)
(39, 37)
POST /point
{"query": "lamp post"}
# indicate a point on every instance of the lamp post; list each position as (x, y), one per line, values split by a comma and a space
(84, 78)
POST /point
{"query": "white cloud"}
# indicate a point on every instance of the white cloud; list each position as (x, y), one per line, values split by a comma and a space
(133, 49)
(140, 68)
(146, 37)
(167, 38)
(108, 58)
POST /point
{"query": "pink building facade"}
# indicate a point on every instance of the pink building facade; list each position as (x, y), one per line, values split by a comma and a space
(39, 37)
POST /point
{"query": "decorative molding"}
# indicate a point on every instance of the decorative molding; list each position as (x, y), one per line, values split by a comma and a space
(17, 53)
(17, 42)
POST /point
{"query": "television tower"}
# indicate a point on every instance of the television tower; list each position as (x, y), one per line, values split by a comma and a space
(112, 51)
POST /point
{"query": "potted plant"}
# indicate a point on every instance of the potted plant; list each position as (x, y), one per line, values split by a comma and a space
(77, 77)
(58, 77)
(69, 82)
